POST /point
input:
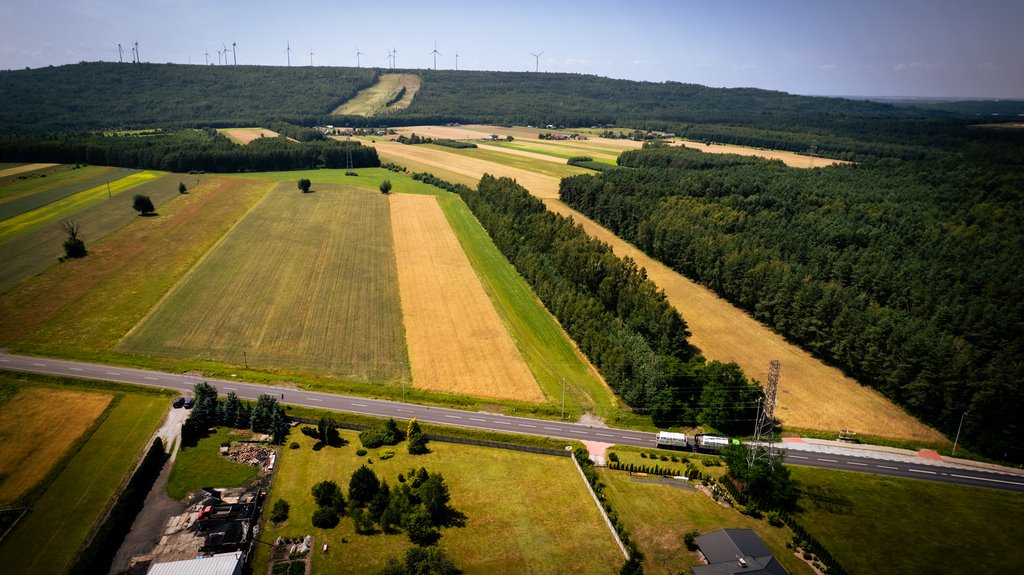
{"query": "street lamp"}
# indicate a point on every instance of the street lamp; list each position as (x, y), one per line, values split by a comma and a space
(955, 441)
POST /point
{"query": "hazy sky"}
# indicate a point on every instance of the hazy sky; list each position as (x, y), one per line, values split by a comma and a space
(941, 48)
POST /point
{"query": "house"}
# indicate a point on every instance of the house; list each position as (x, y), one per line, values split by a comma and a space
(731, 551)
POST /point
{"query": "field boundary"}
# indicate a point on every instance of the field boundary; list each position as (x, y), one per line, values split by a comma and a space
(600, 507)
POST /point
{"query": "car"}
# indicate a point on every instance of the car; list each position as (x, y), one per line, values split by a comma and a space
(178, 402)
(188, 403)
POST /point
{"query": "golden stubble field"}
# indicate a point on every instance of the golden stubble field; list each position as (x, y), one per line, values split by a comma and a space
(456, 341)
(247, 135)
(38, 427)
(304, 281)
(373, 100)
(812, 395)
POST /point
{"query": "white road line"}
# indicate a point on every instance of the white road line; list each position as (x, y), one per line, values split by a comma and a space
(921, 471)
(231, 388)
(313, 399)
(886, 467)
(502, 422)
(453, 416)
(855, 463)
(5, 360)
(355, 404)
(552, 428)
(113, 373)
(828, 460)
(477, 419)
(604, 435)
(75, 369)
(526, 425)
(39, 364)
(986, 479)
(152, 378)
(403, 411)
(788, 456)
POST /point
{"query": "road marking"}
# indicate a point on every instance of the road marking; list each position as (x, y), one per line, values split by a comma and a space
(477, 419)
(75, 368)
(403, 411)
(355, 404)
(526, 425)
(5, 360)
(921, 471)
(604, 435)
(453, 416)
(552, 428)
(986, 479)
(788, 456)
(502, 422)
(313, 399)
(113, 373)
(152, 378)
(828, 460)
(855, 463)
(39, 364)
(886, 467)
(231, 388)
(576, 431)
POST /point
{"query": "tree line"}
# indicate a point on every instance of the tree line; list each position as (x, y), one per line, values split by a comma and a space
(616, 316)
(186, 151)
(907, 274)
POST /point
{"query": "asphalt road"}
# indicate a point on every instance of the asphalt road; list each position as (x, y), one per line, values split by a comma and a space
(923, 469)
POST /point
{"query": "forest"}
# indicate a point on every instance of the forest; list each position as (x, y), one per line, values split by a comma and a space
(906, 274)
(616, 316)
(187, 151)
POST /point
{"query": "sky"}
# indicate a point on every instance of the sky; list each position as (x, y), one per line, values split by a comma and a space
(877, 48)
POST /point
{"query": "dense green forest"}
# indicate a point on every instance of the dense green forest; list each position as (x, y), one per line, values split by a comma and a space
(906, 274)
(616, 316)
(186, 151)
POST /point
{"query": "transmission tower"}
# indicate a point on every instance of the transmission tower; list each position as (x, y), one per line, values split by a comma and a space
(764, 430)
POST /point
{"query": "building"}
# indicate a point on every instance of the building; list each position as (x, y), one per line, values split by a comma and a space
(222, 564)
(730, 551)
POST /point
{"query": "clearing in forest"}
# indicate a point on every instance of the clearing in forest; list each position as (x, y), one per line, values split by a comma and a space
(457, 343)
(391, 92)
(38, 427)
(304, 281)
(246, 135)
(812, 395)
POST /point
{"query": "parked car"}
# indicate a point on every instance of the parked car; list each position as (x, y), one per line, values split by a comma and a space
(189, 402)
(178, 402)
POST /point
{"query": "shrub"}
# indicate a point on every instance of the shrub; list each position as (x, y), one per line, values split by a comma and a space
(363, 485)
(386, 434)
(644, 455)
(690, 539)
(360, 452)
(325, 518)
(385, 186)
(310, 432)
(294, 445)
(774, 518)
(614, 457)
(304, 185)
(385, 453)
(280, 510)
(351, 173)
(143, 204)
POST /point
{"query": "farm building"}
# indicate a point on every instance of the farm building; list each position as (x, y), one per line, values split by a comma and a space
(222, 564)
(729, 551)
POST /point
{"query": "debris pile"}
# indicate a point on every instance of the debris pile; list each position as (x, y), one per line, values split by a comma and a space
(250, 453)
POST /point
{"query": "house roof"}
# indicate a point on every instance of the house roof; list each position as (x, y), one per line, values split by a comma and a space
(222, 564)
(724, 549)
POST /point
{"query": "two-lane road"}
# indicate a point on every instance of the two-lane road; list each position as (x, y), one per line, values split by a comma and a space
(923, 469)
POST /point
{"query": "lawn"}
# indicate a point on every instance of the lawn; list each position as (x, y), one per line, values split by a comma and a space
(911, 526)
(659, 516)
(49, 537)
(525, 513)
(203, 466)
(305, 282)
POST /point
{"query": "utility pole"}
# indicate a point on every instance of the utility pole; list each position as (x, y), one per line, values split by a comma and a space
(957, 440)
(563, 398)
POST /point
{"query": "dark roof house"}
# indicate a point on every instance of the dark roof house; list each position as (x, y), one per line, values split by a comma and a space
(731, 551)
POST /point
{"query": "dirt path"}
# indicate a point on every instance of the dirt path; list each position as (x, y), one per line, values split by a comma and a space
(720, 330)
(149, 525)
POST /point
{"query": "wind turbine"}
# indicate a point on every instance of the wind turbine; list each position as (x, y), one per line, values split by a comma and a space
(218, 57)
(456, 61)
(138, 56)
(436, 54)
(207, 57)
(225, 46)
(358, 54)
(289, 51)
(234, 52)
(537, 58)
(394, 57)
(311, 58)
(120, 53)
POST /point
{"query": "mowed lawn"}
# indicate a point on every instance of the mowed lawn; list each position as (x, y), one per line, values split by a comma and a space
(457, 342)
(911, 526)
(304, 282)
(31, 444)
(658, 517)
(202, 465)
(525, 513)
(48, 538)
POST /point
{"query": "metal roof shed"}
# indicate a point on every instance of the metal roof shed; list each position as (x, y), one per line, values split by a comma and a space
(221, 564)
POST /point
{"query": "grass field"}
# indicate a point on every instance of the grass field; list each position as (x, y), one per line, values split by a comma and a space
(373, 100)
(525, 513)
(911, 526)
(30, 253)
(304, 282)
(720, 330)
(30, 443)
(203, 466)
(54, 182)
(82, 308)
(658, 516)
(527, 162)
(48, 538)
(55, 211)
(457, 342)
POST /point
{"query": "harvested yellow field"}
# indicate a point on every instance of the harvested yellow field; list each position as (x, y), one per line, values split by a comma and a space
(791, 159)
(720, 330)
(21, 169)
(246, 135)
(374, 100)
(38, 427)
(456, 341)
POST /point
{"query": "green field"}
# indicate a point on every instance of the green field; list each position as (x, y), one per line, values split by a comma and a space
(525, 513)
(30, 190)
(305, 282)
(911, 526)
(658, 516)
(515, 161)
(70, 507)
(202, 465)
(559, 150)
(28, 250)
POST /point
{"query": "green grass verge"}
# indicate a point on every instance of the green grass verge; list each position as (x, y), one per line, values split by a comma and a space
(658, 516)
(525, 513)
(49, 537)
(203, 466)
(870, 522)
